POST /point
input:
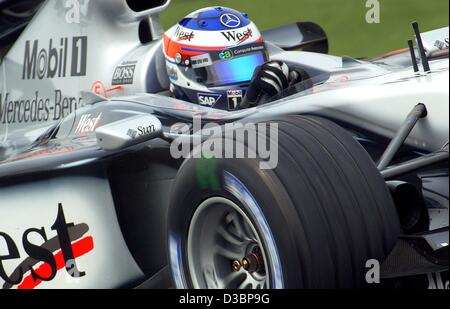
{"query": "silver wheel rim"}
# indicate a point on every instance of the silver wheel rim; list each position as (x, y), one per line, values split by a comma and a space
(220, 233)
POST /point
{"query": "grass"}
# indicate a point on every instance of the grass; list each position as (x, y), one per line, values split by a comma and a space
(343, 20)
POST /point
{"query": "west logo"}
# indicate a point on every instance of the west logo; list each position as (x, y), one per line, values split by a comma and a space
(184, 35)
(44, 261)
(236, 36)
(52, 62)
(87, 124)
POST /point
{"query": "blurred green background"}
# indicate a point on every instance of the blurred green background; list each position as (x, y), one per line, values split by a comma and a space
(343, 20)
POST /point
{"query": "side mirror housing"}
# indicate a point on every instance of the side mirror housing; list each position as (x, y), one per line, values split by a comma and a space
(128, 132)
(303, 35)
(140, 9)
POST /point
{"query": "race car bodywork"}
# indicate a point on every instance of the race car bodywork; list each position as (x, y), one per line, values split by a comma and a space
(83, 204)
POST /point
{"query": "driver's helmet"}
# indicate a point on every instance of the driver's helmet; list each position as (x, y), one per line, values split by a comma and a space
(211, 56)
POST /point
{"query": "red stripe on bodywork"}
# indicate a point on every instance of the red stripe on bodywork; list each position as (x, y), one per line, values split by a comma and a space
(79, 248)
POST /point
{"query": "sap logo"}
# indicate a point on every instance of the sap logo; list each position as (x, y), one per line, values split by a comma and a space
(53, 62)
(184, 35)
(45, 260)
(88, 124)
(208, 99)
(239, 37)
(124, 74)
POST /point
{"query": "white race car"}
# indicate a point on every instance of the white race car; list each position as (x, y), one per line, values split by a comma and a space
(351, 189)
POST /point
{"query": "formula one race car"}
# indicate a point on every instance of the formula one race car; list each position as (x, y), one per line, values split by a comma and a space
(340, 181)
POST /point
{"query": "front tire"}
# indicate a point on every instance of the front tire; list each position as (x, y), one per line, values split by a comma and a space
(312, 222)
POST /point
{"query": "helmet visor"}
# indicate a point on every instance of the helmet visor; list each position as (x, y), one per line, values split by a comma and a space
(233, 71)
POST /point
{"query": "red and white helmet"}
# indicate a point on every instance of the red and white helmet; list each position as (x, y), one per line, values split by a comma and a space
(211, 56)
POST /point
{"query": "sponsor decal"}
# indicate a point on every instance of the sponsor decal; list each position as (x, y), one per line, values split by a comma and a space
(230, 20)
(238, 36)
(99, 88)
(238, 51)
(442, 44)
(235, 98)
(52, 61)
(141, 131)
(208, 99)
(183, 35)
(124, 73)
(132, 133)
(87, 124)
(226, 55)
(201, 61)
(37, 108)
(45, 260)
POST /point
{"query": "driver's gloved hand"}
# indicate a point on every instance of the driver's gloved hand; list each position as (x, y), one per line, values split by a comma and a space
(269, 80)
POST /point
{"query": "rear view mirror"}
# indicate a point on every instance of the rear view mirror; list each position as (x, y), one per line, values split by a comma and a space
(306, 36)
(127, 132)
(142, 5)
(139, 9)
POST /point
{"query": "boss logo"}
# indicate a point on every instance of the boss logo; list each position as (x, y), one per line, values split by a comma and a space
(124, 74)
(236, 36)
(53, 61)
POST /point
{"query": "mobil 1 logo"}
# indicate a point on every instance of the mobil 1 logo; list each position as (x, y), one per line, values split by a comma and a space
(235, 98)
(58, 58)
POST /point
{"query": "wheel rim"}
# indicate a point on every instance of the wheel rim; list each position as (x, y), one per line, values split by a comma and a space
(224, 249)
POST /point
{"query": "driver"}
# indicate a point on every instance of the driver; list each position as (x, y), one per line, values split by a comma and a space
(217, 57)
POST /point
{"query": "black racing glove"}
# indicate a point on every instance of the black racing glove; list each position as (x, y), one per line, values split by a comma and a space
(269, 80)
